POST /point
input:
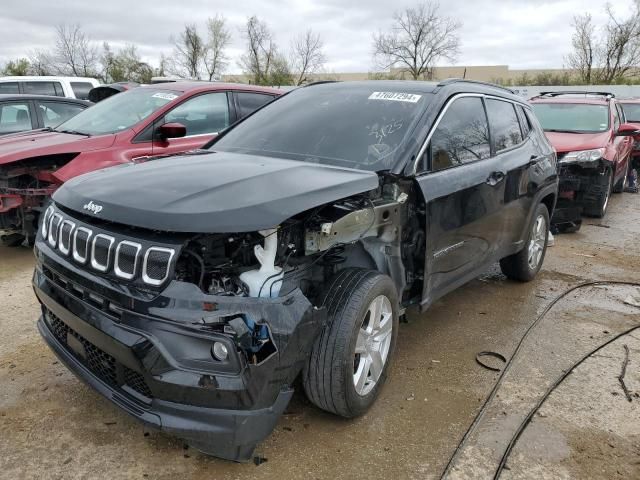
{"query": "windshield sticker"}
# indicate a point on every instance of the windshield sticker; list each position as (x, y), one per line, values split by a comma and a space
(165, 96)
(381, 132)
(395, 97)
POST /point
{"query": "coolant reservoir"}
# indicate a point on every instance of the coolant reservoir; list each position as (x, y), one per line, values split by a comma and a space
(266, 281)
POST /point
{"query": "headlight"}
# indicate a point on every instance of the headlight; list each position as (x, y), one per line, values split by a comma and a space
(583, 156)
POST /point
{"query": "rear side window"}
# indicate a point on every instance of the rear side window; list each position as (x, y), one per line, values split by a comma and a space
(462, 136)
(43, 88)
(505, 128)
(248, 102)
(54, 113)
(524, 121)
(9, 87)
(204, 114)
(81, 89)
(14, 117)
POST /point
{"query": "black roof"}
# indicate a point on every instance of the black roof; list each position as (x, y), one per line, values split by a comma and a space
(49, 98)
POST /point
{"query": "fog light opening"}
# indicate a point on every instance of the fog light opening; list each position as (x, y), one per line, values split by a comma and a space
(219, 351)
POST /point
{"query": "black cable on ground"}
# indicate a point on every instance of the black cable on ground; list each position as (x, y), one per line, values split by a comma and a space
(507, 366)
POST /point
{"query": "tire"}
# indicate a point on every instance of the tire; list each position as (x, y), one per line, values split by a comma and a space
(524, 265)
(597, 199)
(621, 184)
(330, 375)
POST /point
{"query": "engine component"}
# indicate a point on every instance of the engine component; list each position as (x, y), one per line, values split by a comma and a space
(266, 281)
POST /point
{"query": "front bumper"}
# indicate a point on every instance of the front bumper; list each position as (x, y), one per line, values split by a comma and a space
(162, 372)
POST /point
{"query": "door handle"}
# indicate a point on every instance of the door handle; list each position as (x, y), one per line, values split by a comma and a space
(495, 178)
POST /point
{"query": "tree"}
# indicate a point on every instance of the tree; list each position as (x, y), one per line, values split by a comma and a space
(215, 58)
(124, 65)
(189, 51)
(583, 57)
(261, 51)
(419, 38)
(608, 57)
(74, 53)
(17, 67)
(306, 56)
(41, 63)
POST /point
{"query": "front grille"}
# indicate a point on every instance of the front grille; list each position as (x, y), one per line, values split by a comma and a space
(104, 253)
(101, 364)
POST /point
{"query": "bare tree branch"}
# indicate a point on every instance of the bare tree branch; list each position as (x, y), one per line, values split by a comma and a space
(74, 53)
(419, 38)
(306, 55)
(262, 62)
(188, 53)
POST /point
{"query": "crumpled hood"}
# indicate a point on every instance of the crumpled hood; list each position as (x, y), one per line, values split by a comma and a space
(210, 193)
(571, 142)
(19, 146)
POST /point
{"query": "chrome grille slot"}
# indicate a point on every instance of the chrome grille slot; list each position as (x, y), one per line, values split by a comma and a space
(155, 268)
(66, 229)
(54, 229)
(46, 218)
(81, 244)
(101, 251)
(126, 260)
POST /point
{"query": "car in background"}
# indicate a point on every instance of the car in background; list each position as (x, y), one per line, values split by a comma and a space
(593, 143)
(20, 113)
(193, 291)
(631, 109)
(130, 126)
(70, 87)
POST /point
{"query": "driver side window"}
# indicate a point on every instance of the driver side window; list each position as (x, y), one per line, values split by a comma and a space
(201, 115)
(462, 136)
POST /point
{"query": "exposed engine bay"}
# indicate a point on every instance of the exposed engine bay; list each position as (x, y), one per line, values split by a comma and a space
(378, 230)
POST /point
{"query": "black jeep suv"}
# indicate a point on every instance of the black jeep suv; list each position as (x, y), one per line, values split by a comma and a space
(192, 291)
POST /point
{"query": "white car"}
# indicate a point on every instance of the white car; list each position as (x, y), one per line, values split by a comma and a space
(71, 87)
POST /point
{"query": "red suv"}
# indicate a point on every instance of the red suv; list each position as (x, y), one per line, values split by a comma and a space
(134, 125)
(593, 143)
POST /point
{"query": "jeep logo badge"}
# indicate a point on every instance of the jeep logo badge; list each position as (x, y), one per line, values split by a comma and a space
(92, 207)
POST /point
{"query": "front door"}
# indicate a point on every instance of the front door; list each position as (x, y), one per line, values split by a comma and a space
(463, 189)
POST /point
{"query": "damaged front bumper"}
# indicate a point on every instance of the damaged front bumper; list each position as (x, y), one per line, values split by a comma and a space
(153, 357)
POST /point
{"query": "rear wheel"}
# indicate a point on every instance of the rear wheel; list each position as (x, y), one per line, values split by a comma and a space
(524, 265)
(350, 359)
(597, 202)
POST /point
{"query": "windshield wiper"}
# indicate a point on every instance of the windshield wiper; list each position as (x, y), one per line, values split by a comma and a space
(73, 132)
(555, 130)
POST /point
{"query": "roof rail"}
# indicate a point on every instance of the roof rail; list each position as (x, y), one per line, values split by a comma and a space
(320, 82)
(449, 81)
(608, 95)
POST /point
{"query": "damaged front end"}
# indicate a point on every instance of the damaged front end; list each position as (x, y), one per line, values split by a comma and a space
(24, 187)
(582, 183)
(202, 335)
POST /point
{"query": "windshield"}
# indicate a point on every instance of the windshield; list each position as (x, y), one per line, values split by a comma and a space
(119, 112)
(347, 125)
(631, 112)
(572, 117)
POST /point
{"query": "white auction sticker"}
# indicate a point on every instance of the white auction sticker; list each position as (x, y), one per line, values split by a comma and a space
(165, 96)
(395, 97)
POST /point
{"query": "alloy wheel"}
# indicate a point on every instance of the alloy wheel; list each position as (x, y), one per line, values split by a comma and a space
(537, 242)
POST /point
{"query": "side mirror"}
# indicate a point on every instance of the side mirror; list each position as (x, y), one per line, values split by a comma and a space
(627, 130)
(172, 130)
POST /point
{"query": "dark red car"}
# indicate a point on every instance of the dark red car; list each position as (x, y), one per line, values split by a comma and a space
(631, 109)
(594, 145)
(134, 125)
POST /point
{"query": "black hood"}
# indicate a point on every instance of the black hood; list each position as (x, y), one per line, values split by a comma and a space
(212, 193)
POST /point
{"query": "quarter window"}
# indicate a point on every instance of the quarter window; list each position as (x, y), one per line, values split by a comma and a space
(505, 128)
(14, 117)
(616, 120)
(524, 122)
(462, 136)
(248, 102)
(208, 113)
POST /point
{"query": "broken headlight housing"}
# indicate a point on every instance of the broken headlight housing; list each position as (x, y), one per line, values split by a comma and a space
(582, 156)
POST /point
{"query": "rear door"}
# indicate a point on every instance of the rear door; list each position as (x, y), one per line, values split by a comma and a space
(463, 188)
(516, 154)
(624, 145)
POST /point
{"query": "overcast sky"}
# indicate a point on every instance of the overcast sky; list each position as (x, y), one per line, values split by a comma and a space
(518, 33)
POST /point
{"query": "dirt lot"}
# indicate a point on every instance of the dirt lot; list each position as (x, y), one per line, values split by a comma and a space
(53, 426)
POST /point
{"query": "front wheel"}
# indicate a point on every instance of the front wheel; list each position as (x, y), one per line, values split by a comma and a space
(524, 265)
(350, 358)
(597, 201)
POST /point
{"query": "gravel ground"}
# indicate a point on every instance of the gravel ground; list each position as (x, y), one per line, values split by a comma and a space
(53, 426)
